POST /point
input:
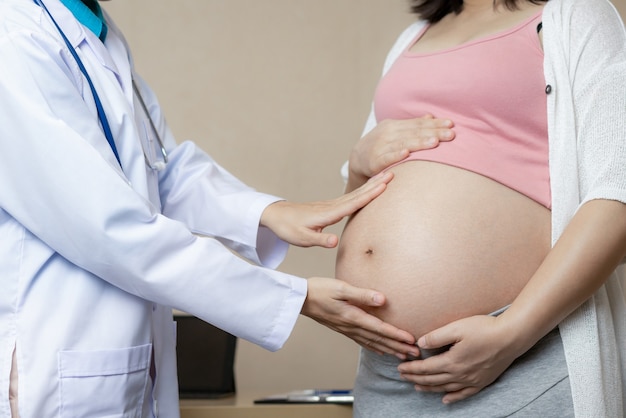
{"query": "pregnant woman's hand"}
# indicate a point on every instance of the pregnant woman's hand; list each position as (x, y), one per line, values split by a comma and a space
(391, 141)
(480, 353)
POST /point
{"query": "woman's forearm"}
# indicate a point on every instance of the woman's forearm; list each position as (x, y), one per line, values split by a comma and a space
(590, 248)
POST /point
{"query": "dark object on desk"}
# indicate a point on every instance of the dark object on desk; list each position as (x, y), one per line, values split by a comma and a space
(205, 356)
(344, 397)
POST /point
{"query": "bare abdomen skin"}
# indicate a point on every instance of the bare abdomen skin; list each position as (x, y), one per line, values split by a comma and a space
(443, 243)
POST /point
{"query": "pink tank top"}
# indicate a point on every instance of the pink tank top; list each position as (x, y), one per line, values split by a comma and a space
(493, 89)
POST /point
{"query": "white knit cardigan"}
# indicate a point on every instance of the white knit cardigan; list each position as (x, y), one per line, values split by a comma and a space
(585, 68)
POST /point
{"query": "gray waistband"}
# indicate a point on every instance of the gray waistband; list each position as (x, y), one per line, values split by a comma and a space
(535, 385)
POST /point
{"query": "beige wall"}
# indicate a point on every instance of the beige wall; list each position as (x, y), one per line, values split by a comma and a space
(276, 91)
(621, 6)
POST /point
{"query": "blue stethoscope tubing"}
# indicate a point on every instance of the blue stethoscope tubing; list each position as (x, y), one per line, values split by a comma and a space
(101, 114)
(102, 117)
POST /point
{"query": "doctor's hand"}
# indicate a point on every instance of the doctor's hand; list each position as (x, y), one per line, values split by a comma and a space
(482, 349)
(338, 306)
(391, 141)
(302, 224)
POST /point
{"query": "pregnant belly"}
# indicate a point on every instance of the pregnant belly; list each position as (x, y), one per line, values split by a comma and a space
(443, 243)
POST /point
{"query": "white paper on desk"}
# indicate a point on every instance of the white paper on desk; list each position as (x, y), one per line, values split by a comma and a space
(330, 396)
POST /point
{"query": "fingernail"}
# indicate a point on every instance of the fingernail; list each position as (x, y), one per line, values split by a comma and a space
(378, 298)
(422, 342)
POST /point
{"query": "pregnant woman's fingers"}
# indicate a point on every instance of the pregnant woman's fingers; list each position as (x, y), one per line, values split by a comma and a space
(392, 140)
(477, 357)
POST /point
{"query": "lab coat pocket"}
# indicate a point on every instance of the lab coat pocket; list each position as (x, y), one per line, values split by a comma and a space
(108, 383)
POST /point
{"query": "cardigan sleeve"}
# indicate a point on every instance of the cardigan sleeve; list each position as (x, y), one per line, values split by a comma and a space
(598, 43)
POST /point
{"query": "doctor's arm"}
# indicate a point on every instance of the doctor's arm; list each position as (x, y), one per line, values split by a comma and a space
(63, 186)
(332, 302)
(197, 191)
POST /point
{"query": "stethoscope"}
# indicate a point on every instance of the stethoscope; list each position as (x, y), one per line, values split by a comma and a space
(104, 122)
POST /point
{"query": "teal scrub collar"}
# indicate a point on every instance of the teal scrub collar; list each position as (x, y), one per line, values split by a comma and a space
(89, 14)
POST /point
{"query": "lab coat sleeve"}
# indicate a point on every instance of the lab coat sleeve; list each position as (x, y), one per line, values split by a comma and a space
(210, 201)
(61, 184)
(196, 190)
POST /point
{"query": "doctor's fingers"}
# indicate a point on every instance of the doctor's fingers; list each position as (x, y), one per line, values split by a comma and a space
(333, 210)
(337, 305)
(383, 345)
(375, 335)
(372, 332)
(302, 224)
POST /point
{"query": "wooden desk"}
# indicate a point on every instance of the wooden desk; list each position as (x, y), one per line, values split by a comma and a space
(242, 406)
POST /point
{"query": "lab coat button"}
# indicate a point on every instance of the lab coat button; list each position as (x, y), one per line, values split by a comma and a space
(548, 89)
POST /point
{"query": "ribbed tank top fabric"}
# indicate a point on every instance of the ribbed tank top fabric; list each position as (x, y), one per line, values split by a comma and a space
(493, 89)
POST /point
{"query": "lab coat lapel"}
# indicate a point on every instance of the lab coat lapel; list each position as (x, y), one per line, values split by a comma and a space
(77, 34)
(110, 70)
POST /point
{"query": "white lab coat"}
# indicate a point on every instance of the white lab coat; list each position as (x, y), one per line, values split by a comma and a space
(93, 257)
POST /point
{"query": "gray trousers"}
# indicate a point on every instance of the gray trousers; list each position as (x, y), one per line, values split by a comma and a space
(535, 385)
